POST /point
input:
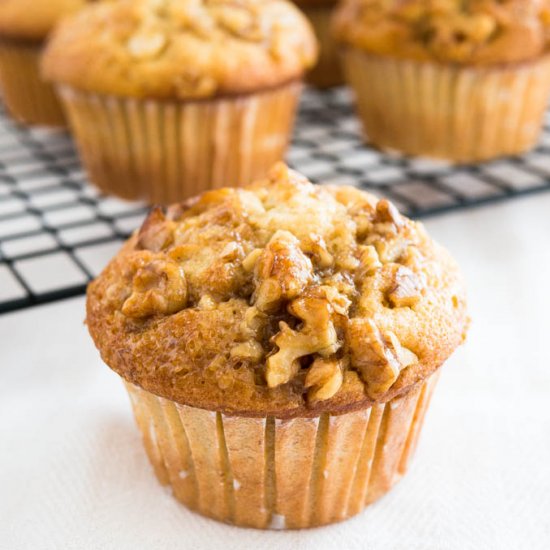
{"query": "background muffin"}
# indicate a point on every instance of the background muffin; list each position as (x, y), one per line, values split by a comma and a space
(327, 72)
(170, 97)
(463, 80)
(24, 25)
(280, 344)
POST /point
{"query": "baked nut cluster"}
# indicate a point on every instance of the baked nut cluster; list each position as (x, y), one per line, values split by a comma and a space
(458, 31)
(283, 291)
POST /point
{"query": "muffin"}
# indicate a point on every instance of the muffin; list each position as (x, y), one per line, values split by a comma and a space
(461, 80)
(327, 72)
(24, 26)
(280, 343)
(167, 98)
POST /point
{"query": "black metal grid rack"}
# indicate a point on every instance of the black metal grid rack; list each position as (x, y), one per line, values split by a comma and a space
(57, 231)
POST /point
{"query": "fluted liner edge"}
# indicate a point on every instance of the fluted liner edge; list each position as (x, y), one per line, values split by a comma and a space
(167, 151)
(275, 473)
(27, 96)
(461, 114)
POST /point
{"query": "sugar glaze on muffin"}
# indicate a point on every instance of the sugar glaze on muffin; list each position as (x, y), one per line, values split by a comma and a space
(281, 298)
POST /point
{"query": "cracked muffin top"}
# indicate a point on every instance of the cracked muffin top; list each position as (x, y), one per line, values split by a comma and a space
(34, 19)
(281, 298)
(181, 49)
(477, 32)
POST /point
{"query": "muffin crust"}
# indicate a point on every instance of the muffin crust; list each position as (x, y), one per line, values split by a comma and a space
(473, 32)
(33, 19)
(181, 49)
(282, 298)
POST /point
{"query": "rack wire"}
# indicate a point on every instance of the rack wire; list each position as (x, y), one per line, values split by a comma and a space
(57, 231)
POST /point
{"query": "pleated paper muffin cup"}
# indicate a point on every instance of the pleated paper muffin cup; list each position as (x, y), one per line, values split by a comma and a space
(276, 473)
(27, 96)
(327, 72)
(167, 151)
(461, 114)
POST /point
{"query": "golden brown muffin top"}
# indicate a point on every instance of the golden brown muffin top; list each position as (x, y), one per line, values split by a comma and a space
(34, 19)
(181, 48)
(282, 297)
(477, 32)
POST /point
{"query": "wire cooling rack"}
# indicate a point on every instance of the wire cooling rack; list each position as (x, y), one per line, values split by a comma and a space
(57, 231)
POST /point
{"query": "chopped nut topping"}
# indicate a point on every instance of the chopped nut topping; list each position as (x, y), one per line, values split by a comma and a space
(231, 251)
(324, 378)
(316, 246)
(317, 335)
(250, 351)
(270, 291)
(470, 32)
(343, 283)
(206, 303)
(250, 261)
(146, 45)
(158, 287)
(406, 356)
(339, 302)
(378, 357)
(253, 323)
(369, 261)
(406, 289)
(387, 221)
(116, 293)
(156, 232)
(390, 250)
(283, 271)
(387, 213)
(239, 21)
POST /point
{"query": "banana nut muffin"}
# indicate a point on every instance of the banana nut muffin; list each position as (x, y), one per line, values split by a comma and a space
(292, 329)
(24, 26)
(478, 70)
(170, 97)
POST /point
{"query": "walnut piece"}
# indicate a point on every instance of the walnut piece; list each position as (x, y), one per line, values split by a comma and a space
(324, 378)
(378, 357)
(156, 232)
(316, 246)
(250, 261)
(158, 287)
(386, 212)
(147, 45)
(239, 20)
(406, 288)
(283, 271)
(369, 262)
(248, 351)
(339, 302)
(317, 335)
(391, 250)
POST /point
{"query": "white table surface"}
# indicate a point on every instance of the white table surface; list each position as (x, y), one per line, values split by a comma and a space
(73, 473)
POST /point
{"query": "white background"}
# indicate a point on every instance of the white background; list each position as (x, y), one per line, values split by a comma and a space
(73, 473)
